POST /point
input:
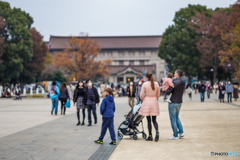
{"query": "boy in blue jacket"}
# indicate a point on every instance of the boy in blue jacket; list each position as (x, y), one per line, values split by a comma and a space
(107, 110)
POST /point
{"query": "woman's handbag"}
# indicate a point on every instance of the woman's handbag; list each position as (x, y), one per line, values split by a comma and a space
(68, 104)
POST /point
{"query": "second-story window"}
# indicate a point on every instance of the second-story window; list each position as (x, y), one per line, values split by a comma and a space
(120, 62)
(101, 54)
(131, 54)
(141, 53)
(154, 53)
(109, 54)
(141, 62)
(121, 53)
(131, 63)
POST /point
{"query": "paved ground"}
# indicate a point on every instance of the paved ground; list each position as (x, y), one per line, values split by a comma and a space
(28, 131)
(209, 126)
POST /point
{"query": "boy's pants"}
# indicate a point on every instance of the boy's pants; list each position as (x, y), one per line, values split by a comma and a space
(131, 101)
(107, 123)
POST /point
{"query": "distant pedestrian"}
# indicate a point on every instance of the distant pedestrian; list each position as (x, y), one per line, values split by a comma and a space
(229, 90)
(215, 87)
(221, 92)
(167, 82)
(202, 89)
(195, 87)
(92, 100)
(80, 97)
(208, 89)
(175, 106)
(138, 91)
(235, 91)
(150, 108)
(189, 92)
(54, 96)
(107, 110)
(131, 94)
(64, 96)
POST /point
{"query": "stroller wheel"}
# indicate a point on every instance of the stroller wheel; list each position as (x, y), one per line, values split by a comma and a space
(144, 136)
(135, 137)
(120, 136)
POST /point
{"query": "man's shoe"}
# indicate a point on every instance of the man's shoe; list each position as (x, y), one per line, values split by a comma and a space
(99, 141)
(78, 124)
(173, 138)
(149, 138)
(89, 125)
(82, 123)
(51, 112)
(181, 135)
(95, 122)
(113, 143)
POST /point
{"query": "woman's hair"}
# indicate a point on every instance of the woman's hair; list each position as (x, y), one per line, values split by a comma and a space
(63, 86)
(79, 82)
(150, 78)
(54, 83)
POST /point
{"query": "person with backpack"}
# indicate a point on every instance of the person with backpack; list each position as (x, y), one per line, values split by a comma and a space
(92, 100)
(54, 94)
(64, 96)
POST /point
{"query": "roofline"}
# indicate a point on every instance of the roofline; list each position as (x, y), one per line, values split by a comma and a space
(128, 36)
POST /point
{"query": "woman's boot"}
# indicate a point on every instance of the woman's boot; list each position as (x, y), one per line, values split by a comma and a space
(149, 138)
(157, 136)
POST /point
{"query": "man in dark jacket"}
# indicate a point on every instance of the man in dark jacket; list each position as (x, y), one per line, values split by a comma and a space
(175, 106)
(92, 100)
(202, 89)
(131, 94)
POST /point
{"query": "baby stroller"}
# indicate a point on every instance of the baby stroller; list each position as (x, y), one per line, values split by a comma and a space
(129, 126)
(18, 97)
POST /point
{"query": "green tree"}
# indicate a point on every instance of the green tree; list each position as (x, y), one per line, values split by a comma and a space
(17, 41)
(178, 47)
(56, 76)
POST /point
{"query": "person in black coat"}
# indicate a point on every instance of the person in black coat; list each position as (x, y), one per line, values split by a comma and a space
(64, 96)
(131, 94)
(92, 100)
(80, 97)
(202, 89)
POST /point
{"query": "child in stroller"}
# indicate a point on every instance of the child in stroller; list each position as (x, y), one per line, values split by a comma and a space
(17, 93)
(129, 126)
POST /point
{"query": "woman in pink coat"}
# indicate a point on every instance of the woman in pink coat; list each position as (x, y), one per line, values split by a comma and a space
(150, 93)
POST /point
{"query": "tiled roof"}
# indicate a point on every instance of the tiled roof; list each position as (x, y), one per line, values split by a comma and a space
(140, 68)
(111, 42)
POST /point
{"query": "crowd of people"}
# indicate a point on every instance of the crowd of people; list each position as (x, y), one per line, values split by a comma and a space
(228, 89)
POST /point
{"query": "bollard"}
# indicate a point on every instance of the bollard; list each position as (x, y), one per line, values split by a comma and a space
(24, 91)
(0, 93)
(31, 90)
(43, 90)
(37, 90)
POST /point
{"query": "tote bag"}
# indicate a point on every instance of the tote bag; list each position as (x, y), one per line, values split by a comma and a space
(68, 104)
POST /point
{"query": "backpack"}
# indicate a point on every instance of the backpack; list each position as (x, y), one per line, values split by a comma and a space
(52, 91)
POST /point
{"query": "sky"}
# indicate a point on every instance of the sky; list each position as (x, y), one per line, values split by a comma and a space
(106, 17)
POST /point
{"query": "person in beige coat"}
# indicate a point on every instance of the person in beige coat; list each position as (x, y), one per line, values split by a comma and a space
(150, 93)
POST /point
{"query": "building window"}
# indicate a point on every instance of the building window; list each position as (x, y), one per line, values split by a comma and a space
(120, 79)
(121, 53)
(154, 53)
(109, 54)
(142, 53)
(141, 62)
(131, 63)
(120, 62)
(131, 53)
(101, 54)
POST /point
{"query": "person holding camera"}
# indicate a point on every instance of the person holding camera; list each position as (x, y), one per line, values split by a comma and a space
(92, 100)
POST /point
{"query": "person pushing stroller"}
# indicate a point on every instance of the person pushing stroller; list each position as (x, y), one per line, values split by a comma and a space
(107, 110)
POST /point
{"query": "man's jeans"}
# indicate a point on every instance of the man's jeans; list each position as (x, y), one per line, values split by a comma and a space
(229, 96)
(91, 107)
(174, 109)
(55, 105)
(202, 96)
(139, 100)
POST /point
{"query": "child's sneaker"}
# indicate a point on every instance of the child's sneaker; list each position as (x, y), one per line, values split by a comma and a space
(113, 143)
(168, 100)
(99, 141)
